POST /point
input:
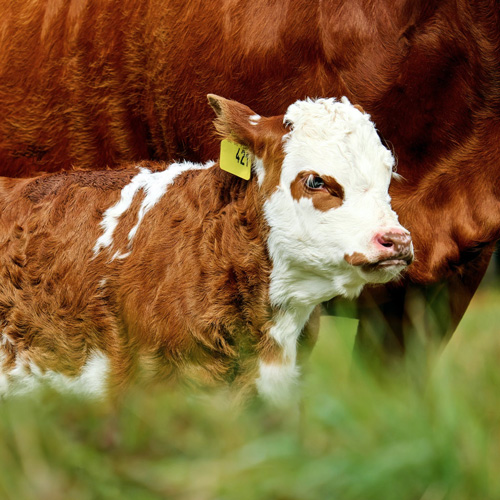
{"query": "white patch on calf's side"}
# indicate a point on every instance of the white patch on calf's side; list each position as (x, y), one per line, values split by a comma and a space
(155, 185)
(113, 213)
(27, 377)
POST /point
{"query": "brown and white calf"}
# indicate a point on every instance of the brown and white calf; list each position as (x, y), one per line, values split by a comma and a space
(184, 271)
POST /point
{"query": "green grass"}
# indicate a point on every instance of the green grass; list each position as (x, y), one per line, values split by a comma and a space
(357, 439)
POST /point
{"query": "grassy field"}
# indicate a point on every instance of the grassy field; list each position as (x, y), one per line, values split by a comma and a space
(357, 439)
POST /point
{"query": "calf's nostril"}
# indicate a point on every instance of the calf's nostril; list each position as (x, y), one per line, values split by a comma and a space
(387, 244)
(385, 241)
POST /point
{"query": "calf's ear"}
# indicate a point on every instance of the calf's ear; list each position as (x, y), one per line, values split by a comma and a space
(234, 121)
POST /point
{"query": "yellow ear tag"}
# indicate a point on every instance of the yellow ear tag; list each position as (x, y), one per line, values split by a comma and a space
(235, 159)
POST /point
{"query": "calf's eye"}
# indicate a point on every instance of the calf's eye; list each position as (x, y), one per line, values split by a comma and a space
(315, 182)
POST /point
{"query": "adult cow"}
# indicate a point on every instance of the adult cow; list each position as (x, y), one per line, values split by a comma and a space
(93, 82)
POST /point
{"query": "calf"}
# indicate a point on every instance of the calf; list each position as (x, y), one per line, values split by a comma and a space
(185, 271)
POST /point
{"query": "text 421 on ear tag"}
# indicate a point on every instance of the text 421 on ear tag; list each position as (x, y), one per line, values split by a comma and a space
(235, 159)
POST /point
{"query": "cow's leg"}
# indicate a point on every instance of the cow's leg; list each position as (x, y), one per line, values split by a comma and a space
(414, 321)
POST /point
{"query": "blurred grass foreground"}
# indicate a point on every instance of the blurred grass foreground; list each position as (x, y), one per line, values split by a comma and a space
(358, 439)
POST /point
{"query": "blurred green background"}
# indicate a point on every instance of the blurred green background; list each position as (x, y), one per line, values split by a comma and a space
(356, 439)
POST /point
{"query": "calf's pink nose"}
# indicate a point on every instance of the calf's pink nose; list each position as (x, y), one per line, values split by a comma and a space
(395, 244)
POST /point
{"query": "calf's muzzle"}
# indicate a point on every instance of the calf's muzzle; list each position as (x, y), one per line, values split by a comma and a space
(394, 245)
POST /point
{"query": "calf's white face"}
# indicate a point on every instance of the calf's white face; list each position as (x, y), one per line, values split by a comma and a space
(332, 226)
(324, 175)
